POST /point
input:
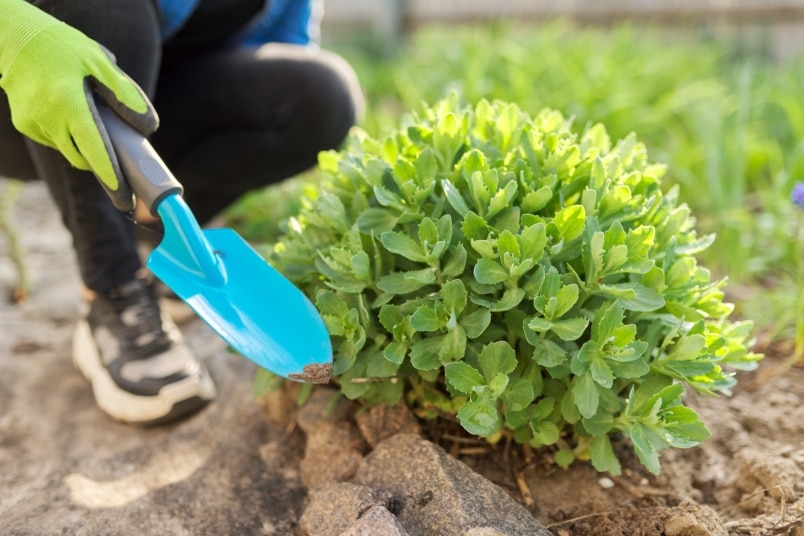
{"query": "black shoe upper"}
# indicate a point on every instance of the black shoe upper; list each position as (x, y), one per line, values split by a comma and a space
(128, 326)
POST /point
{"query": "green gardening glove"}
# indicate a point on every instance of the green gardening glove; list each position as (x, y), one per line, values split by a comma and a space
(52, 74)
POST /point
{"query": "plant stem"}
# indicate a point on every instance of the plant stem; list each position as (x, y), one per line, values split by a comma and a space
(11, 194)
(798, 252)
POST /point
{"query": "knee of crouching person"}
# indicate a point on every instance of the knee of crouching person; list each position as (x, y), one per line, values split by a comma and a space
(341, 96)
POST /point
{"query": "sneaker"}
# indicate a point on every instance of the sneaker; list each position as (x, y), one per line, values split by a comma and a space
(170, 303)
(134, 356)
(147, 239)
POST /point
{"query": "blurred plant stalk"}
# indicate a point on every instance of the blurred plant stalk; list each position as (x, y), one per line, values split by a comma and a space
(798, 239)
(10, 193)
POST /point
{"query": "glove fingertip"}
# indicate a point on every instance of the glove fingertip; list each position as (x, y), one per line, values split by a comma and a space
(73, 155)
(146, 122)
(123, 95)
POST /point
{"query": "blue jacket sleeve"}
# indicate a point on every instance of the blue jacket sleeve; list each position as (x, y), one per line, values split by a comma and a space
(174, 13)
(286, 21)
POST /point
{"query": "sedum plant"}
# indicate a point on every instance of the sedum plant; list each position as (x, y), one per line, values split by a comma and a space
(533, 282)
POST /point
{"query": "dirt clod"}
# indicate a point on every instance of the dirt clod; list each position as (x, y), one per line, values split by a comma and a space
(383, 421)
(693, 520)
(314, 373)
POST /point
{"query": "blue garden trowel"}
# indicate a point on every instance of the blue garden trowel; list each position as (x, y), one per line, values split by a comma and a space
(224, 280)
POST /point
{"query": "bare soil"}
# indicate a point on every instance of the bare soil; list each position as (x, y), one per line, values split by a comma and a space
(66, 468)
(748, 479)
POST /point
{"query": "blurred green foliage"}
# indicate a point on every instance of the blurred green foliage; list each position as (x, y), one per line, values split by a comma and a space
(728, 121)
(729, 124)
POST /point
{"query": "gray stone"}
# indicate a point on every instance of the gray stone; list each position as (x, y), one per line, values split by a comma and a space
(383, 421)
(324, 405)
(334, 507)
(378, 521)
(484, 531)
(334, 445)
(438, 495)
(330, 454)
(279, 405)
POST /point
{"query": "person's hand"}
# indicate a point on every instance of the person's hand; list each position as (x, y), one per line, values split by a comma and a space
(51, 73)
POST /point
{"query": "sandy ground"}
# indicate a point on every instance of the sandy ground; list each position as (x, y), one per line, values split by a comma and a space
(66, 468)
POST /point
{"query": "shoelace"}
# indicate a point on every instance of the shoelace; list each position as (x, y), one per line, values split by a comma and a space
(140, 321)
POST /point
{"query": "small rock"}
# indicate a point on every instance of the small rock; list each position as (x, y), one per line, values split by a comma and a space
(27, 346)
(330, 454)
(335, 507)
(770, 471)
(383, 421)
(485, 531)
(605, 482)
(324, 405)
(279, 406)
(693, 520)
(378, 521)
(334, 446)
(684, 524)
(440, 495)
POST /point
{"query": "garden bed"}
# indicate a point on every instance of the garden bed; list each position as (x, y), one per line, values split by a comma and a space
(750, 473)
(205, 475)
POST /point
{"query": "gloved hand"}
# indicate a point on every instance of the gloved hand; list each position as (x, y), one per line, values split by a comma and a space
(49, 71)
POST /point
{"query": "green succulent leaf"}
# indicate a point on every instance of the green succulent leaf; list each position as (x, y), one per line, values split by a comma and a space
(634, 296)
(602, 455)
(570, 329)
(645, 450)
(489, 272)
(424, 354)
(455, 263)
(406, 282)
(454, 197)
(497, 358)
(536, 201)
(480, 416)
(587, 399)
(570, 221)
(403, 245)
(510, 299)
(463, 377)
(544, 433)
(549, 354)
(376, 221)
(395, 352)
(454, 345)
(454, 295)
(498, 384)
(425, 319)
(519, 394)
(683, 427)
(532, 241)
(476, 322)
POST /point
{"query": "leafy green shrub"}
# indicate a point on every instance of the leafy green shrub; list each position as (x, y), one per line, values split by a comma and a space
(532, 281)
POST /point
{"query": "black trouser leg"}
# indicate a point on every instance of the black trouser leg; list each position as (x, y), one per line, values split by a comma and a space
(239, 119)
(102, 236)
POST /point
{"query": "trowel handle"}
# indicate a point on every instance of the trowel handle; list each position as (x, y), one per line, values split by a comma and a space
(149, 177)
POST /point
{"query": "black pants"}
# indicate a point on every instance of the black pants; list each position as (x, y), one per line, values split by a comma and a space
(232, 119)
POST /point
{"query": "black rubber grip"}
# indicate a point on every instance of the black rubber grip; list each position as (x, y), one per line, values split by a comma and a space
(149, 177)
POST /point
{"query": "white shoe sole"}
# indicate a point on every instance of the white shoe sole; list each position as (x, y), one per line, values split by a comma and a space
(127, 407)
(177, 310)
